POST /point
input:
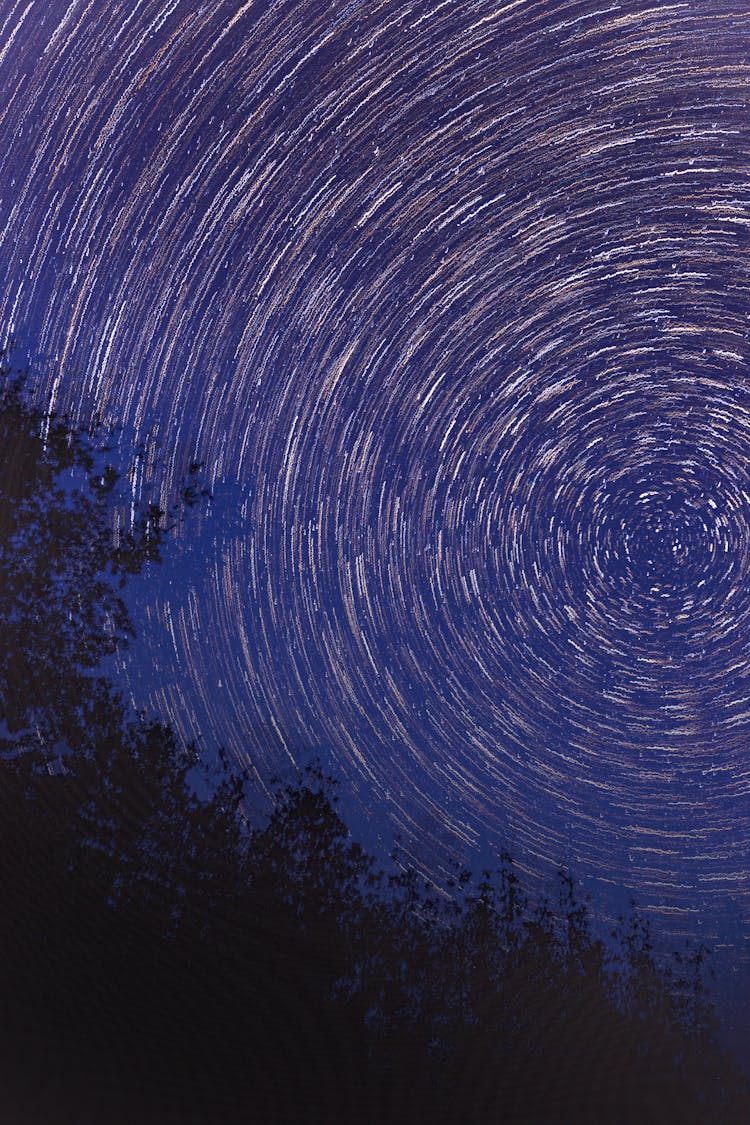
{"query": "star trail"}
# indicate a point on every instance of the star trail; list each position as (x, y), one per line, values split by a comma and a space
(452, 298)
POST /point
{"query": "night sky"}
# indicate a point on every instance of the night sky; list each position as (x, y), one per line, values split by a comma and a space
(453, 300)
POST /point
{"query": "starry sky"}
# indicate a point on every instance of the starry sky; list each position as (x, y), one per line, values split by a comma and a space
(452, 299)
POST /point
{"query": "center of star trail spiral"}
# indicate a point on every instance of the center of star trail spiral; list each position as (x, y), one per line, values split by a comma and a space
(453, 301)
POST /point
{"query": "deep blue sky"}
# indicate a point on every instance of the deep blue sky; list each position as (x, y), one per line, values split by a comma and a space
(452, 298)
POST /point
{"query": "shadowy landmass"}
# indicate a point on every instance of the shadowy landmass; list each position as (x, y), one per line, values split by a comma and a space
(161, 961)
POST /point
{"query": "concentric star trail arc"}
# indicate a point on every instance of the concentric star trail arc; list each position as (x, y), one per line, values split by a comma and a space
(453, 301)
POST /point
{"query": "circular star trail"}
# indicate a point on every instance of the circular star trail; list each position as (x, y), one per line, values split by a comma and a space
(452, 298)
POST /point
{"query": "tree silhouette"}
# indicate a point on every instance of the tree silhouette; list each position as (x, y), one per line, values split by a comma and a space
(103, 839)
(63, 565)
(161, 961)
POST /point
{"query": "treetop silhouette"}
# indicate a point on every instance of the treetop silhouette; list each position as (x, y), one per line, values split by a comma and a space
(64, 560)
(161, 961)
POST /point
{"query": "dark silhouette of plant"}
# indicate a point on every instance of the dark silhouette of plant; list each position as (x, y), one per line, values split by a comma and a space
(161, 961)
(63, 565)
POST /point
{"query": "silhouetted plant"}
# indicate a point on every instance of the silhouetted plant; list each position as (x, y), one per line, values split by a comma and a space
(64, 560)
(161, 961)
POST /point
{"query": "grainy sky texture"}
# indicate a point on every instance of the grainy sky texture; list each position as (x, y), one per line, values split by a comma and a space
(453, 300)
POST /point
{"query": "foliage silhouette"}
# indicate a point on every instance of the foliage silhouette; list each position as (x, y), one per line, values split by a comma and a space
(162, 961)
(62, 569)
